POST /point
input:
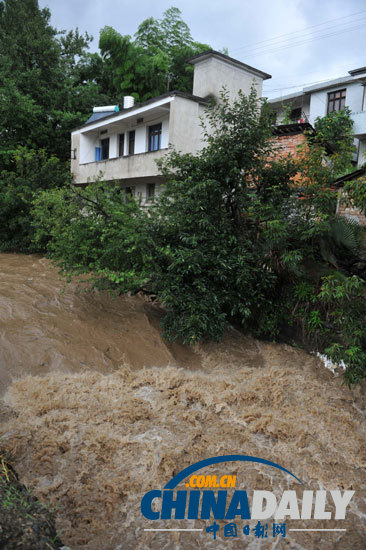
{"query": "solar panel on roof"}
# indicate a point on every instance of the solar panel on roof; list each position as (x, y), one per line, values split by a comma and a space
(98, 116)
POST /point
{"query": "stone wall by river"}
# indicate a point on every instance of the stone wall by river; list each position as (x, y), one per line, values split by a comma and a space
(97, 409)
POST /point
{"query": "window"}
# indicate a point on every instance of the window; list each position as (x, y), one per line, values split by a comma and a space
(129, 193)
(296, 114)
(131, 142)
(150, 191)
(336, 100)
(155, 137)
(105, 148)
(121, 146)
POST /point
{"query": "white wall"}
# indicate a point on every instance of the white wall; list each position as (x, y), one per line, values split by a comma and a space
(212, 74)
(140, 139)
(88, 143)
(113, 145)
(319, 100)
(165, 133)
(185, 132)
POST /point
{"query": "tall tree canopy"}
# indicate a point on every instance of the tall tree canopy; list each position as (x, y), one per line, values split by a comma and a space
(46, 88)
(43, 91)
(154, 62)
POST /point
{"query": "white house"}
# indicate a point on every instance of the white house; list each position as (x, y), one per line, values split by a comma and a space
(321, 99)
(122, 146)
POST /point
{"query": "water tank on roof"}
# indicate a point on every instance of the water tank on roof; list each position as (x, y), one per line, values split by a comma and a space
(106, 109)
(128, 101)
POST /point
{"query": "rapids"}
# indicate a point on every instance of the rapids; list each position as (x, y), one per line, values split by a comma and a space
(97, 409)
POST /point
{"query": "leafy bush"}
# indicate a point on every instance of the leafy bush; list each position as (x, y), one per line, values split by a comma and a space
(33, 172)
(356, 191)
(332, 316)
(335, 129)
(94, 231)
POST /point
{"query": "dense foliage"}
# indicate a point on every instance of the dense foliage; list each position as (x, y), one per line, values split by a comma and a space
(43, 92)
(154, 62)
(356, 193)
(335, 130)
(332, 315)
(95, 232)
(232, 239)
(33, 171)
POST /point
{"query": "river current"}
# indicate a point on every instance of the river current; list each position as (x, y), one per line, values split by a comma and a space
(97, 409)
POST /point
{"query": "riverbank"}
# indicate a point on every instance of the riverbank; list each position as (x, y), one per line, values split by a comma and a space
(25, 524)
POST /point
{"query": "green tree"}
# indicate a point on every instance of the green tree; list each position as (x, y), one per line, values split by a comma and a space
(43, 93)
(95, 231)
(28, 69)
(46, 89)
(154, 62)
(209, 219)
(356, 192)
(335, 130)
(33, 172)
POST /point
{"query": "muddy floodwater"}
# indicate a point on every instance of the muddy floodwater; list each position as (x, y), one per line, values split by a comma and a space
(97, 409)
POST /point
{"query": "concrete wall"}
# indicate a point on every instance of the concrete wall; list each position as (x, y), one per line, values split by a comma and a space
(113, 146)
(87, 145)
(165, 133)
(359, 124)
(134, 166)
(75, 146)
(140, 140)
(362, 152)
(212, 74)
(319, 100)
(185, 132)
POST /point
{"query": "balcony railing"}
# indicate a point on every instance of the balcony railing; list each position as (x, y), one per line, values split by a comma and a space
(132, 166)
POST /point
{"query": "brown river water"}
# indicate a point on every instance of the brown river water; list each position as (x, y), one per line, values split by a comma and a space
(97, 409)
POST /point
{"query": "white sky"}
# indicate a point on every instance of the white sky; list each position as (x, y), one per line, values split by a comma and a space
(298, 42)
